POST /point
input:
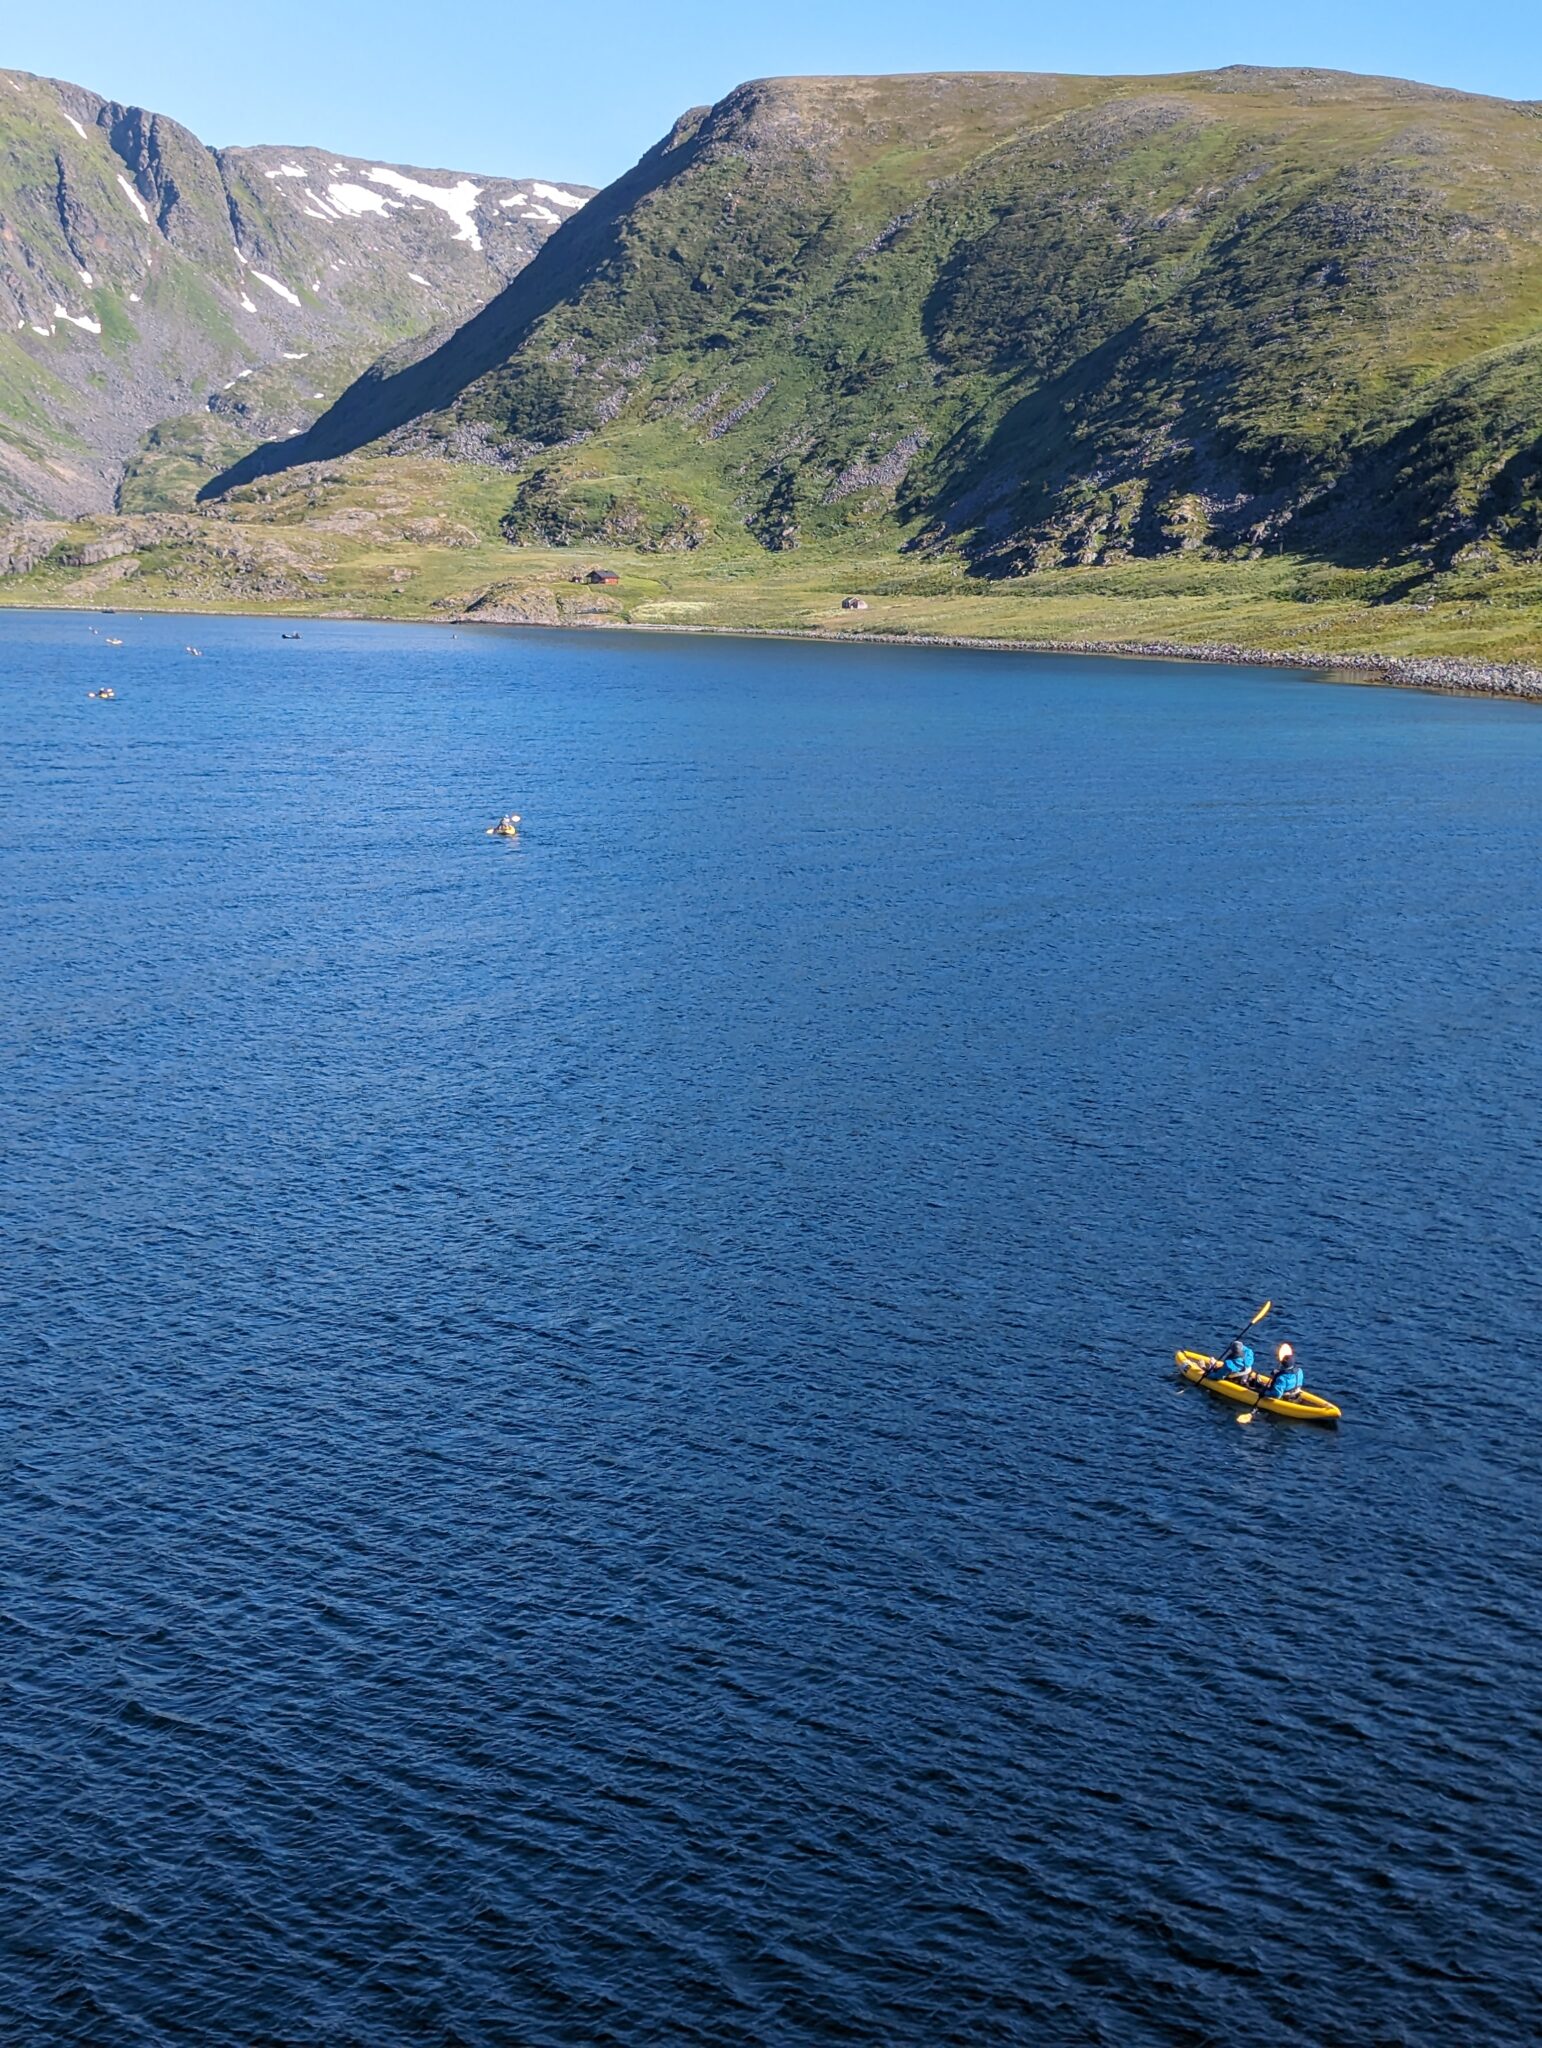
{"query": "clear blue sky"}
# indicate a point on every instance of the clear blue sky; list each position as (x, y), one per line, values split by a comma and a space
(576, 91)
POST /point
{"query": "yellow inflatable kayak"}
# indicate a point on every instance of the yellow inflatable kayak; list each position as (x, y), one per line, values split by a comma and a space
(1298, 1407)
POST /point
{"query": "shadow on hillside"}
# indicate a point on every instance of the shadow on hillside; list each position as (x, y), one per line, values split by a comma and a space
(1056, 458)
(1416, 490)
(1420, 497)
(387, 397)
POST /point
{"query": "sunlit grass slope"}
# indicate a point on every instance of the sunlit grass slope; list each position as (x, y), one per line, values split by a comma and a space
(1033, 322)
(414, 539)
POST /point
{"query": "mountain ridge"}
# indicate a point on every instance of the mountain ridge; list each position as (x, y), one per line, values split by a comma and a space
(144, 273)
(1027, 317)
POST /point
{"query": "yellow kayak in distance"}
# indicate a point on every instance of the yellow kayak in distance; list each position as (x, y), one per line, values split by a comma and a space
(1299, 1407)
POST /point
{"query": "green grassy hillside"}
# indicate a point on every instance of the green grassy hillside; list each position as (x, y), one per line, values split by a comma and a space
(1023, 323)
(414, 538)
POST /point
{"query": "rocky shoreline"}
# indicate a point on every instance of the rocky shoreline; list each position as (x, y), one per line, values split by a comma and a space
(1455, 674)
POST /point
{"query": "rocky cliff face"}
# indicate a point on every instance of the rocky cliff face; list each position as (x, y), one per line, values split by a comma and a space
(1040, 321)
(153, 287)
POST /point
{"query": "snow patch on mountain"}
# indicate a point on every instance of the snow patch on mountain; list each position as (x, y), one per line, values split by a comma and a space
(134, 199)
(458, 201)
(273, 285)
(358, 199)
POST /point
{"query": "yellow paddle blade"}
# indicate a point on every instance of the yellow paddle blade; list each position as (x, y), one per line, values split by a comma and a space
(1262, 1313)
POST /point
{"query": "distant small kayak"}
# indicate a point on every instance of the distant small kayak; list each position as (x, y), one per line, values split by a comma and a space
(1298, 1407)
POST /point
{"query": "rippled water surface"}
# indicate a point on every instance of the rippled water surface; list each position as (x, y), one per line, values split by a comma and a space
(588, 1443)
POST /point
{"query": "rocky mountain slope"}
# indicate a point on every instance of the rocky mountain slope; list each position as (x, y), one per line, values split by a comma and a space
(144, 276)
(1028, 320)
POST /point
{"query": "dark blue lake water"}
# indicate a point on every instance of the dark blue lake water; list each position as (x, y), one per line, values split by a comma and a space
(588, 1450)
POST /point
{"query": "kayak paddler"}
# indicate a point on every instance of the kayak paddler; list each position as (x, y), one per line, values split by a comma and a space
(1236, 1365)
(1287, 1377)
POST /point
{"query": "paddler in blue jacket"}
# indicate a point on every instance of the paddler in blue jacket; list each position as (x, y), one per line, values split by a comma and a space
(1287, 1377)
(1236, 1365)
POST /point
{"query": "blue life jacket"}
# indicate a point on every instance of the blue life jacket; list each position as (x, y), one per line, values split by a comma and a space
(1287, 1381)
(1233, 1368)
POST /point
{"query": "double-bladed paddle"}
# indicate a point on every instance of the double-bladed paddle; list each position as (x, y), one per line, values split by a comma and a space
(1248, 1413)
(1251, 1323)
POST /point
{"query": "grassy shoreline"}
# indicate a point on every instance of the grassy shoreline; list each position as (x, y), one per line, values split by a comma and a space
(418, 541)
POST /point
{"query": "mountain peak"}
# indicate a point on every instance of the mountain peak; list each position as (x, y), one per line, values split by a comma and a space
(146, 275)
(1035, 318)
